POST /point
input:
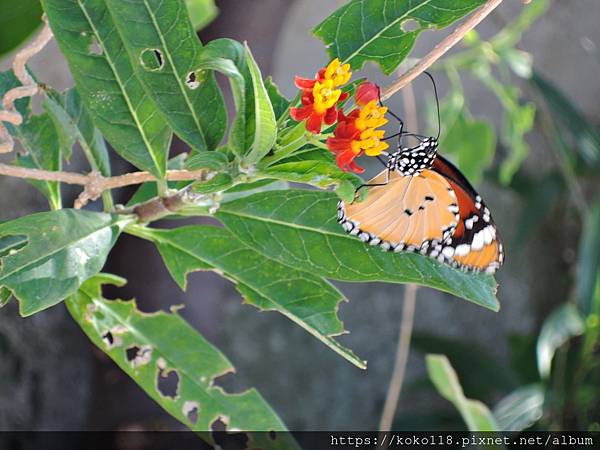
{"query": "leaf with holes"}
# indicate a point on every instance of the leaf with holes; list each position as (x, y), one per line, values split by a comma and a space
(380, 31)
(263, 122)
(299, 229)
(74, 124)
(304, 298)
(45, 257)
(164, 50)
(105, 79)
(476, 415)
(173, 364)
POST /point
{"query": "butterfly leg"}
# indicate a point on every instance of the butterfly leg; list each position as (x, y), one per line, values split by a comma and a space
(387, 180)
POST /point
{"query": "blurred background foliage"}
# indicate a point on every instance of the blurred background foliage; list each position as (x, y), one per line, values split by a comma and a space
(550, 380)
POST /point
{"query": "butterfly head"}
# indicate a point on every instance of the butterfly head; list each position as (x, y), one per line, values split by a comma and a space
(411, 161)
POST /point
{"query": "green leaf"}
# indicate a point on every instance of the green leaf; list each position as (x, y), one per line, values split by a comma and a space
(164, 51)
(8, 81)
(521, 408)
(279, 102)
(5, 295)
(105, 79)
(540, 196)
(17, 22)
(74, 124)
(56, 252)
(476, 415)
(306, 299)
(482, 374)
(299, 229)
(265, 125)
(372, 30)
(518, 120)
(228, 57)
(207, 160)
(316, 173)
(201, 12)
(152, 348)
(588, 266)
(474, 142)
(586, 136)
(563, 324)
(39, 138)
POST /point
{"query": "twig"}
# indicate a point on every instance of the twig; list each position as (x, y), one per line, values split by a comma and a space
(94, 183)
(439, 50)
(29, 87)
(406, 326)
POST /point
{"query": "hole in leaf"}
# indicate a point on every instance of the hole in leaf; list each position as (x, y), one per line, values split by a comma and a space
(132, 352)
(220, 424)
(234, 439)
(112, 339)
(272, 435)
(95, 48)
(167, 382)
(108, 338)
(192, 81)
(191, 411)
(152, 59)
(229, 383)
(410, 25)
(138, 356)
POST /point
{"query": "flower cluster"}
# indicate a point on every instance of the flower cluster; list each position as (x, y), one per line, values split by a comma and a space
(357, 132)
(321, 96)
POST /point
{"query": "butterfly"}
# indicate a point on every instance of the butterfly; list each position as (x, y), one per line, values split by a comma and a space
(422, 203)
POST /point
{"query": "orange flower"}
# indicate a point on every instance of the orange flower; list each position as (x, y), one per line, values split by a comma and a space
(358, 133)
(321, 96)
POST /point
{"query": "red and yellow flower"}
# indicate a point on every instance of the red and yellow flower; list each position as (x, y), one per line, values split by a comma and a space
(358, 133)
(321, 96)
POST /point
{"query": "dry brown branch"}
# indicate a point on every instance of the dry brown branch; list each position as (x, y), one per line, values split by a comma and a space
(402, 351)
(29, 88)
(439, 50)
(94, 183)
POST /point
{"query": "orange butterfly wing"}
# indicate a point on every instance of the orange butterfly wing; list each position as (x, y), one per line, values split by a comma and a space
(414, 213)
(475, 244)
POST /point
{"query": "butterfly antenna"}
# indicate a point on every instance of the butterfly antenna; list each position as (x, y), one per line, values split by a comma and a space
(391, 113)
(437, 103)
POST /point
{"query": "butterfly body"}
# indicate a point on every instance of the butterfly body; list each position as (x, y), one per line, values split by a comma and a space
(421, 203)
(409, 161)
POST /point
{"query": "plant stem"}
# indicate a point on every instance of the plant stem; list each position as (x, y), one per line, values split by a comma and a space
(406, 326)
(94, 183)
(439, 50)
